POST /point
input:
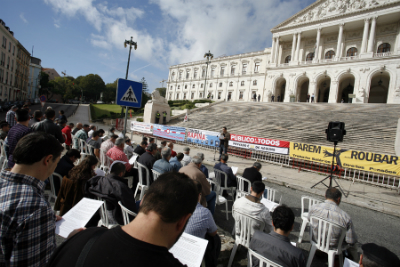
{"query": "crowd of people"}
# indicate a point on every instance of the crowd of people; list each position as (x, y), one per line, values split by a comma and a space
(179, 200)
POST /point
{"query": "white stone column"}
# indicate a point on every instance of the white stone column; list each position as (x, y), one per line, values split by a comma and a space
(372, 36)
(273, 50)
(292, 55)
(276, 50)
(339, 42)
(297, 56)
(398, 38)
(316, 52)
(333, 91)
(365, 36)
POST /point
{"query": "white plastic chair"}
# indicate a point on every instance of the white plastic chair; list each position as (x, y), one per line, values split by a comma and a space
(323, 239)
(83, 148)
(242, 182)
(5, 164)
(90, 149)
(244, 228)
(304, 213)
(65, 139)
(220, 200)
(104, 161)
(75, 140)
(126, 213)
(3, 155)
(219, 176)
(262, 261)
(53, 194)
(143, 187)
(104, 215)
(155, 174)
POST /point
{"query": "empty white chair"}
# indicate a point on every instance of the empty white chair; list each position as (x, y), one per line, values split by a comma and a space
(222, 176)
(83, 149)
(126, 213)
(242, 183)
(262, 261)
(244, 228)
(104, 215)
(141, 186)
(271, 194)
(155, 174)
(323, 239)
(304, 213)
(220, 200)
(53, 194)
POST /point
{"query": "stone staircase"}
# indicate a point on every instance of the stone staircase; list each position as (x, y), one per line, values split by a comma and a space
(370, 127)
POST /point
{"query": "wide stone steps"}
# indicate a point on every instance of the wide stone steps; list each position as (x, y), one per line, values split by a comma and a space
(370, 127)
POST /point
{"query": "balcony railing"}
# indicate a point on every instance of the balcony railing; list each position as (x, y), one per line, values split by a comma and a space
(349, 58)
(384, 54)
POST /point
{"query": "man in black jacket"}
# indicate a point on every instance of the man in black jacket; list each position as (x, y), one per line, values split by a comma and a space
(147, 159)
(252, 174)
(49, 127)
(113, 188)
(140, 149)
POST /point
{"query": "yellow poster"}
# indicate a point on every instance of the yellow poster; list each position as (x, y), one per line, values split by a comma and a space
(345, 158)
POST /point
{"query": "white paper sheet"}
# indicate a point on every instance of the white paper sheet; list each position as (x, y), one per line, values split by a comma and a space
(234, 170)
(78, 216)
(269, 204)
(350, 263)
(189, 250)
(133, 159)
(294, 244)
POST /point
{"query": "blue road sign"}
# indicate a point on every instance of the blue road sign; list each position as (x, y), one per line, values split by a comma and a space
(43, 98)
(129, 93)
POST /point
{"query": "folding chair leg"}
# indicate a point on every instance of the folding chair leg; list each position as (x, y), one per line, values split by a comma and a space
(311, 255)
(303, 228)
(233, 252)
(226, 211)
(137, 188)
(341, 259)
(331, 259)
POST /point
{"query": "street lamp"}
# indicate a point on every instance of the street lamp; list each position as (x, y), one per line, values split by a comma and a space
(209, 56)
(134, 44)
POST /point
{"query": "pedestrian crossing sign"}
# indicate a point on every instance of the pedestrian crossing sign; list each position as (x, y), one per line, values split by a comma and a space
(129, 93)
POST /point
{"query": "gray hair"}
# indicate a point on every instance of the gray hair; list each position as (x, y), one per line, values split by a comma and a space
(166, 152)
(151, 147)
(186, 149)
(119, 141)
(257, 165)
(200, 155)
(196, 160)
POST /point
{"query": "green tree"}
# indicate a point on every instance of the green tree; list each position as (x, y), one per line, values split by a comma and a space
(110, 92)
(92, 85)
(145, 92)
(162, 91)
(44, 83)
(63, 86)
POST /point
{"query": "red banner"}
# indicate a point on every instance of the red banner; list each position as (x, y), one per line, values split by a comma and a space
(259, 140)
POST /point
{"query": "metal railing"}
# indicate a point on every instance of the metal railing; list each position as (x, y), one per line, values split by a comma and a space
(385, 54)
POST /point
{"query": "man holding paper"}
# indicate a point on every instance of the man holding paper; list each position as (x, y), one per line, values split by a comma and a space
(146, 240)
(27, 221)
(222, 166)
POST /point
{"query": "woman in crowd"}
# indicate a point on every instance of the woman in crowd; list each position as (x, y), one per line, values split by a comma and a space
(73, 185)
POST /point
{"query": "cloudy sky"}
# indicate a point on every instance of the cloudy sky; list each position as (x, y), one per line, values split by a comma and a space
(87, 36)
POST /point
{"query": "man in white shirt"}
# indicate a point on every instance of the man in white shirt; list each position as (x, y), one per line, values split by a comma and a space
(92, 129)
(186, 158)
(128, 149)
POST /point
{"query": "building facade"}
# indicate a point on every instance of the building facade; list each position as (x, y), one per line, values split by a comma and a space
(22, 72)
(8, 58)
(337, 51)
(34, 78)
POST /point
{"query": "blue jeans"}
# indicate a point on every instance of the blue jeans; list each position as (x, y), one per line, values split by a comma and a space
(211, 198)
(222, 149)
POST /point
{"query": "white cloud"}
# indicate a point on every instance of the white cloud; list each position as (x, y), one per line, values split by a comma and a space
(22, 16)
(56, 25)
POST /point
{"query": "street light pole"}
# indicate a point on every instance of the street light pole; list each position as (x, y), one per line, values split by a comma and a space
(208, 56)
(134, 44)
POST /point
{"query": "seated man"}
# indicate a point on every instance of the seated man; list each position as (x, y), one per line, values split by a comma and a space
(141, 149)
(48, 126)
(27, 221)
(147, 159)
(203, 168)
(77, 128)
(192, 170)
(113, 188)
(101, 135)
(107, 145)
(162, 165)
(202, 225)
(377, 256)
(226, 169)
(251, 205)
(128, 149)
(95, 149)
(252, 174)
(81, 134)
(158, 156)
(176, 162)
(67, 134)
(146, 240)
(171, 146)
(330, 211)
(92, 128)
(186, 158)
(276, 245)
(117, 153)
(65, 164)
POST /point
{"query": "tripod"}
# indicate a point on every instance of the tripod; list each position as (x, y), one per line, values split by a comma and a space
(331, 177)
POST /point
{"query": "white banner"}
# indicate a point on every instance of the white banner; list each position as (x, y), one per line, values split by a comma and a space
(269, 149)
(141, 127)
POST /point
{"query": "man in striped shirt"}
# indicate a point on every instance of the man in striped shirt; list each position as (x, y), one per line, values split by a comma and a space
(10, 116)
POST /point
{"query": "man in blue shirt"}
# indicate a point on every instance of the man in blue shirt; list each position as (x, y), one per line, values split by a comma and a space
(203, 168)
(226, 169)
(176, 162)
(10, 116)
(163, 165)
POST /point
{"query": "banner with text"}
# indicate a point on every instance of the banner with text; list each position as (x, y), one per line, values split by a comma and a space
(259, 141)
(142, 127)
(347, 158)
(269, 149)
(202, 137)
(169, 132)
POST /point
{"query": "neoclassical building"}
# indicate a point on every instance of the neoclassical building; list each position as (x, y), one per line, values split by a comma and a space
(338, 51)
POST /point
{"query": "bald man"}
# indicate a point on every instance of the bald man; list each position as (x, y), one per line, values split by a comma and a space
(171, 146)
(77, 128)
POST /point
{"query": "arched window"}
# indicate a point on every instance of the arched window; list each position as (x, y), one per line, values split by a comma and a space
(310, 57)
(383, 48)
(330, 54)
(201, 95)
(231, 84)
(288, 59)
(172, 87)
(185, 86)
(210, 84)
(184, 96)
(242, 83)
(192, 96)
(220, 84)
(179, 87)
(201, 86)
(233, 68)
(177, 96)
(193, 86)
(352, 52)
(255, 82)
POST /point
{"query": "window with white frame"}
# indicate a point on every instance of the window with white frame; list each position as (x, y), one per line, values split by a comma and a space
(12, 65)
(210, 84)
(9, 47)
(195, 74)
(4, 44)
(193, 86)
(256, 67)
(222, 71)
(233, 69)
(201, 95)
(242, 83)
(170, 95)
(179, 87)
(244, 68)
(220, 84)
(180, 75)
(255, 82)
(185, 86)
(171, 88)
(192, 96)
(212, 72)
(231, 84)
(241, 95)
(173, 76)
(203, 74)
(201, 85)
(187, 75)
(13, 49)
(177, 96)
(184, 95)
(219, 95)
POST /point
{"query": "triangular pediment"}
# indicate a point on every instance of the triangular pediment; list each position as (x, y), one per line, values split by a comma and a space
(325, 9)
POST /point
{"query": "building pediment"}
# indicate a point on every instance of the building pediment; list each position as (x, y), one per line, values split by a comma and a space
(325, 9)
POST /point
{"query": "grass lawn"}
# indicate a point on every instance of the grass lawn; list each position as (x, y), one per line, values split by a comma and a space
(103, 110)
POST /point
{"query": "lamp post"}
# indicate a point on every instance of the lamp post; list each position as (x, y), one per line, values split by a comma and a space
(209, 56)
(134, 44)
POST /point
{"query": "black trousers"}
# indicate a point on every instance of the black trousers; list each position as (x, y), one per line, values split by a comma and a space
(212, 251)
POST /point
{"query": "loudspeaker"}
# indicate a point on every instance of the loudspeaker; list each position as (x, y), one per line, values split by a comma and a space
(335, 131)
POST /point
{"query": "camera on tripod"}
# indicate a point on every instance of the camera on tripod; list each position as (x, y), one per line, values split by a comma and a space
(335, 131)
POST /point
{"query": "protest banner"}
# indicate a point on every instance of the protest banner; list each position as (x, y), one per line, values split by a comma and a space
(202, 137)
(142, 127)
(269, 149)
(169, 132)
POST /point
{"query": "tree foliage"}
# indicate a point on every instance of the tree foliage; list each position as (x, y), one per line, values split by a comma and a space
(162, 91)
(91, 85)
(110, 92)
